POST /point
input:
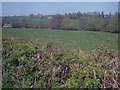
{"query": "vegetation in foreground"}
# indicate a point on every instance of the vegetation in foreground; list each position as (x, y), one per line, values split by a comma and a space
(85, 40)
(27, 64)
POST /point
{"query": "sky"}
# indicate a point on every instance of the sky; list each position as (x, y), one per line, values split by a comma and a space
(60, 0)
(51, 8)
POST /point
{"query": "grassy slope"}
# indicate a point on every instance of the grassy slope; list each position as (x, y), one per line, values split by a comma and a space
(72, 39)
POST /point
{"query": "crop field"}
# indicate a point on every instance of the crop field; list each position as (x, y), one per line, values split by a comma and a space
(84, 40)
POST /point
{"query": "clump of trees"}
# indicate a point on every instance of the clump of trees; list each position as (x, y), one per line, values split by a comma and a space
(94, 21)
(105, 24)
(94, 24)
(56, 21)
(68, 24)
(113, 24)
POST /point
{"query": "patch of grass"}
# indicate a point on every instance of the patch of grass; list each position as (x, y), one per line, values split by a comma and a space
(84, 40)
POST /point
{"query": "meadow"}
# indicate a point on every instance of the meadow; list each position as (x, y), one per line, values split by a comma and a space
(84, 40)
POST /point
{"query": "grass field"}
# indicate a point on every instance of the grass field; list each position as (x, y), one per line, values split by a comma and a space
(84, 40)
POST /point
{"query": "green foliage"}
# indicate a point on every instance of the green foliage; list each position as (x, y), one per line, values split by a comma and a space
(68, 24)
(113, 24)
(28, 64)
(56, 21)
(94, 23)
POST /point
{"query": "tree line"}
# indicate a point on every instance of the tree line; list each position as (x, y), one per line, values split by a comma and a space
(93, 21)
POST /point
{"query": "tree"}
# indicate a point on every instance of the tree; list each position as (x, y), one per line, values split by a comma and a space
(102, 14)
(68, 24)
(104, 24)
(113, 24)
(17, 25)
(110, 15)
(78, 15)
(31, 15)
(23, 21)
(40, 15)
(94, 23)
(43, 25)
(56, 21)
(83, 22)
(66, 15)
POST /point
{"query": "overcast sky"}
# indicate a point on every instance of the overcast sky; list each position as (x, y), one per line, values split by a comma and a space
(49, 8)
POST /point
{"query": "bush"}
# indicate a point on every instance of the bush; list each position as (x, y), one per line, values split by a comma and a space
(113, 24)
(56, 21)
(93, 23)
(68, 24)
(28, 64)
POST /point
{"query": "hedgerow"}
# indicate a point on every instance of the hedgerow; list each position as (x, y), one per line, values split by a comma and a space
(28, 64)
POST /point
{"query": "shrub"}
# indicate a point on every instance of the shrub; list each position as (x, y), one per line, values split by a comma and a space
(28, 64)
(113, 24)
(68, 24)
(93, 23)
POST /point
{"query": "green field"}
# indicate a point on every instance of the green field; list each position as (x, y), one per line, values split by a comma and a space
(85, 40)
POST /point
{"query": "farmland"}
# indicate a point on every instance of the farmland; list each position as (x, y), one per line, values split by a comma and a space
(85, 40)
